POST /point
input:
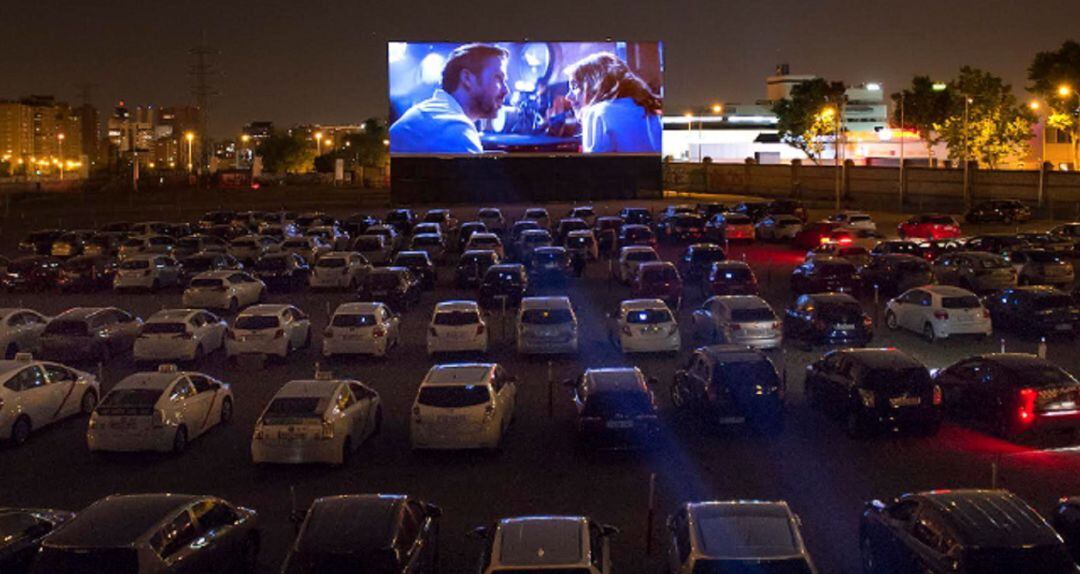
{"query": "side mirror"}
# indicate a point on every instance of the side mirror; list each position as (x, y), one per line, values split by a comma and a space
(609, 531)
(479, 533)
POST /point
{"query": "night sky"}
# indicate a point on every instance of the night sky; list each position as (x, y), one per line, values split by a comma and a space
(325, 62)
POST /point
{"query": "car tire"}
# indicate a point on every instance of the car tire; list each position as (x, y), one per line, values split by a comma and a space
(9, 353)
(88, 402)
(929, 334)
(20, 431)
(226, 411)
(678, 398)
(891, 322)
(180, 440)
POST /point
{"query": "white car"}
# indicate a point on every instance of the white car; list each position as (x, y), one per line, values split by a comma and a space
(34, 394)
(339, 269)
(645, 326)
(20, 331)
(486, 242)
(776, 227)
(547, 325)
(938, 312)
(226, 289)
(268, 329)
(158, 411)
(151, 272)
(362, 328)
(373, 247)
(493, 218)
(854, 220)
(463, 405)
(583, 212)
(331, 234)
(457, 326)
(310, 248)
(582, 242)
(199, 243)
(316, 421)
(160, 244)
(180, 335)
(251, 247)
(629, 258)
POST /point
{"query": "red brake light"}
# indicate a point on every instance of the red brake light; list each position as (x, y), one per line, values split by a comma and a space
(943, 315)
(1027, 405)
(937, 395)
(378, 332)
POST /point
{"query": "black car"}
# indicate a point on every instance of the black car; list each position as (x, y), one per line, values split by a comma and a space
(931, 249)
(86, 273)
(998, 210)
(683, 227)
(755, 210)
(825, 274)
(472, 265)
(1035, 310)
(205, 261)
(873, 390)
(1012, 395)
(549, 266)
(371, 533)
(708, 210)
(398, 287)
(31, 273)
(282, 271)
(636, 215)
(959, 532)
(421, 265)
(21, 532)
(697, 260)
(403, 220)
(615, 408)
(508, 281)
(1000, 243)
(895, 273)
(787, 207)
(731, 384)
(40, 242)
(828, 319)
(1066, 520)
(903, 246)
(467, 230)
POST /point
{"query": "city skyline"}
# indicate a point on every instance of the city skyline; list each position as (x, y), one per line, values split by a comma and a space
(321, 63)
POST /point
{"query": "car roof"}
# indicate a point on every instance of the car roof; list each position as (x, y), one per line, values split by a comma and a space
(729, 263)
(832, 298)
(358, 307)
(946, 290)
(76, 313)
(11, 365)
(454, 374)
(348, 523)
(217, 274)
(736, 529)
(883, 358)
(456, 306)
(118, 520)
(1016, 361)
(649, 264)
(636, 248)
(991, 518)
(484, 235)
(900, 257)
(541, 540)
(5, 311)
(642, 304)
(551, 301)
(265, 309)
(172, 315)
(308, 388)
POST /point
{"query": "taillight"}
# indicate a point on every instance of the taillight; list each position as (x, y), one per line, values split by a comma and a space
(279, 333)
(942, 315)
(937, 395)
(1027, 398)
(327, 430)
(378, 332)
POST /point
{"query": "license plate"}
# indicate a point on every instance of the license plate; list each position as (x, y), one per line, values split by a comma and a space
(905, 401)
(620, 424)
(290, 436)
(1063, 327)
(844, 327)
(451, 420)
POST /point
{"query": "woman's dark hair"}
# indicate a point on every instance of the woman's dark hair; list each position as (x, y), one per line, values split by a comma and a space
(603, 76)
(471, 57)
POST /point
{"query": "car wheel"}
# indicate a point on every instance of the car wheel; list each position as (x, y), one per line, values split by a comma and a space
(20, 431)
(180, 440)
(891, 322)
(88, 402)
(10, 352)
(226, 411)
(234, 305)
(928, 333)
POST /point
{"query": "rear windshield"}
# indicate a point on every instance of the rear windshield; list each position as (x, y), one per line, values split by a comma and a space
(456, 318)
(638, 233)
(662, 274)
(537, 238)
(914, 266)
(1052, 302)
(484, 241)
(294, 243)
(450, 397)
(134, 264)
(961, 302)
(61, 327)
(749, 315)
(488, 213)
(642, 256)
(845, 312)
(331, 262)
(733, 274)
(1042, 376)
(368, 243)
(131, 398)
(411, 260)
(706, 255)
(905, 379)
(87, 561)
(1044, 559)
(162, 328)
(257, 322)
(608, 404)
(550, 256)
(349, 320)
(546, 316)
(427, 241)
(205, 282)
(290, 407)
(836, 270)
(503, 277)
(855, 218)
(648, 316)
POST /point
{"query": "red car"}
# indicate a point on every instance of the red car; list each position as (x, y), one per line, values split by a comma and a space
(658, 279)
(820, 233)
(929, 226)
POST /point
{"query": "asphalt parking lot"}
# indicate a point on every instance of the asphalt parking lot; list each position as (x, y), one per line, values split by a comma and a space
(824, 475)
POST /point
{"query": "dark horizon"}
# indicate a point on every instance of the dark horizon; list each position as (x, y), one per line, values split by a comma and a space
(326, 63)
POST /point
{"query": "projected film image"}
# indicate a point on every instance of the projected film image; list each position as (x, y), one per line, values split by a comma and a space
(525, 97)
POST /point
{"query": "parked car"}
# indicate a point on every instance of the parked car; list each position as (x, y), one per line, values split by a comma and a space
(373, 533)
(975, 271)
(1013, 395)
(1035, 310)
(339, 270)
(532, 239)
(824, 274)
(549, 266)
(582, 244)
(198, 243)
(636, 215)
(463, 405)
(632, 234)
(570, 544)
(86, 273)
(730, 278)
(374, 248)
(395, 286)
(179, 335)
(778, 227)
(606, 231)
(584, 212)
(898, 247)
(938, 312)
(322, 420)
(827, 319)
(71, 243)
(332, 234)
(40, 242)
(929, 226)
(35, 394)
(855, 221)
(856, 254)
(998, 243)
(420, 264)
(683, 227)
(786, 207)
(84, 333)
(959, 530)
(730, 227)
(444, 218)
(999, 211)
(402, 220)
(658, 279)
(506, 282)
(731, 384)
(225, 290)
(539, 215)
(755, 210)
(485, 241)
(433, 244)
(310, 248)
(457, 326)
(1041, 267)
(472, 265)
(931, 249)
(568, 224)
(362, 328)
(282, 271)
(22, 530)
(493, 218)
(147, 272)
(428, 228)
(20, 331)
(615, 409)
(31, 273)
(896, 273)
(248, 248)
(644, 326)
(143, 244)
(102, 244)
(1066, 521)
(159, 411)
(697, 260)
(817, 233)
(629, 258)
(547, 325)
(203, 262)
(144, 533)
(738, 319)
(269, 330)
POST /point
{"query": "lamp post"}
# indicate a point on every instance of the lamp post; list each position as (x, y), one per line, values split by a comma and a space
(967, 181)
(1034, 105)
(689, 129)
(190, 137)
(318, 143)
(60, 145)
(903, 127)
(1064, 91)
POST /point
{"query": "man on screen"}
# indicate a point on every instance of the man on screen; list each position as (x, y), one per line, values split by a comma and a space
(473, 88)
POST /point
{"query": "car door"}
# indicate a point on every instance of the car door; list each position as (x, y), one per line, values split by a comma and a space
(921, 310)
(204, 405)
(62, 383)
(221, 540)
(679, 544)
(127, 328)
(180, 401)
(425, 553)
(213, 329)
(927, 544)
(361, 411)
(179, 545)
(34, 394)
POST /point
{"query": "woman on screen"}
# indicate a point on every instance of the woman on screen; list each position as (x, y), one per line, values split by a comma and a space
(618, 111)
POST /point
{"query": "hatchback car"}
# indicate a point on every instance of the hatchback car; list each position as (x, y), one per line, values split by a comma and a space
(324, 420)
(582, 244)
(472, 265)
(158, 411)
(179, 335)
(858, 256)
(929, 226)
(1041, 267)
(192, 244)
(897, 246)
(402, 220)
(731, 384)
(463, 405)
(625, 267)
(530, 240)
(738, 319)
(873, 390)
(698, 258)
(730, 278)
(999, 243)
(827, 319)
(362, 328)
(395, 286)
(503, 286)
(975, 271)
(549, 266)
(485, 241)
(269, 330)
(420, 264)
(21, 533)
(730, 227)
(20, 331)
(310, 248)
(659, 279)
(493, 218)
(282, 271)
(229, 291)
(854, 220)
(683, 227)
(339, 270)
(547, 325)
(539, 215)
(146, 272)
(638, 215)
(35, 394)
(32, 273)
(205, 261)
(1066, 521)
(40, 242)
(567, 225)
(1035, 310)
(556, 544)
(825, 274)
(374, 248)
(615, 409)
(895, 273)
(141, 244)
(456, 327)
(431, 243)
(938, 312)
(71, 243)
(85, 333)
(636, 234)
(644, 326)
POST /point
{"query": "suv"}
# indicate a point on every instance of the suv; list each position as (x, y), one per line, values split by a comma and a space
(828, 318)
(556, 544)
(615, 408)
(875, 389)
(731, 384)
(960, 531)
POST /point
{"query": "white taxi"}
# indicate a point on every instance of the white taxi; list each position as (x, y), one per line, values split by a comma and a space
(158, 411)
(146, 272)
(34, 394)
(316, 421)
(463, 405)
(361, 328)
(630, 257)
(457, 326)
(644, 326)
(268, 329)
(339, 269)
(20, 331)
(180, 335)
(228, 290)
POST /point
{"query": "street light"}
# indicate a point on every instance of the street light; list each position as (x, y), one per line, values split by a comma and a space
(1034, 105)
(967, 192)
(190, 137)
(60, 144)
(318, 143)
(717, 108)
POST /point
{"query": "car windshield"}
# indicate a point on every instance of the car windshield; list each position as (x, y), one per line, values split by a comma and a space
(456, 318)
(162, 328)
(270, 264)
(454, 396)
(131, 398)
(757, 372)
(1052, 302)
(295, 244)
(331, 262)
(62, 327)
(1043, 559)
(411, 260)
(546, 316)
(488, 213)
(648, 316)
(353, 320)
(662, 274)
(550, 256)
(256, 322)
(961, 302)
(789, 566)
(751, 315)
(642, 256)
(135, 264)
(578, 241)
(610, 403)
(206, 282)
(503, 277)
(914, 266)
(427, 241)
(383, 280)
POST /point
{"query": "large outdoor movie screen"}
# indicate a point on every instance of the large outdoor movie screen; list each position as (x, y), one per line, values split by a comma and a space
(526, 97)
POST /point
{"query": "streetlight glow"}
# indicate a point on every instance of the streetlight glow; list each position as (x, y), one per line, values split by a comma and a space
(717, 108)
(939, 87)
(1064, 90)
(1034, 106)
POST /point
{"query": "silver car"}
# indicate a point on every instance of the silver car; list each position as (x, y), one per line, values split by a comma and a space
(547, 325)
(975, 271)
(738, 319)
